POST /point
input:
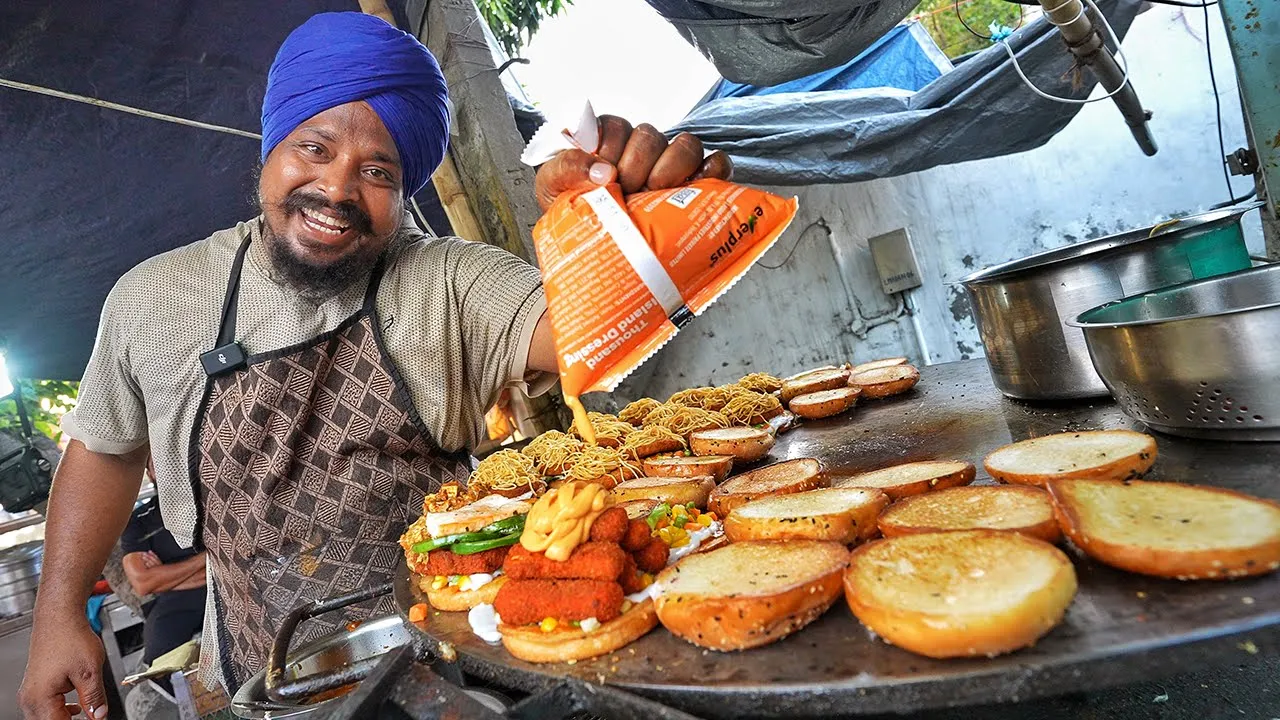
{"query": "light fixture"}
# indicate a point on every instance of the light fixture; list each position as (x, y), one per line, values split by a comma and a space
(6, 385)
(25, 473)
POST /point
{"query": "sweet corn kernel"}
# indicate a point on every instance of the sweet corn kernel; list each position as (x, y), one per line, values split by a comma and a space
(646, 579)
(464, 583)
(680, 542)
(626, 605)
(439, 582)
(665, 534)
(679, 510)
(548, 624)
(705, 520)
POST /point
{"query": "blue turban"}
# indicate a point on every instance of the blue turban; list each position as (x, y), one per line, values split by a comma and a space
(342, 57)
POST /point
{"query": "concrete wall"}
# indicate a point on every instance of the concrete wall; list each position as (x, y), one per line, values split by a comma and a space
(815, 298)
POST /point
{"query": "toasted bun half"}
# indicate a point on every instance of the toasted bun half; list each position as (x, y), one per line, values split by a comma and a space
(915, 478)
(749, 594)
(813, 381)
(825, 403)
(1188, 532)
(791, 476)
(672, 490)
(885, 381)
(451, 599)
(1102, 454)
(747, 444)
(843, 515)
(717, 466)
(960, 594)
(876, 365)
(1015, 508)
(531, 644)
(639, 509)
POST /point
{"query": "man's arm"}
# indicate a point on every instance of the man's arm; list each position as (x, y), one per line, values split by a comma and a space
(91, 499)
(542, 349)
(148, 579)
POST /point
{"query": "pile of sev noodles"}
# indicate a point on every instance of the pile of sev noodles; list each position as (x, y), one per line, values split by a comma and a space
(635, 412)
(595, 462)
(646, 436)
(504, 470)
(683, 420)
(706, 398)
(761, 383)
(746, 407)
(609, 430)
(553, 449)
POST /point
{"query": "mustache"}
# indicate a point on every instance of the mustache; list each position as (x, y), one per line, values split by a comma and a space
(348, 212)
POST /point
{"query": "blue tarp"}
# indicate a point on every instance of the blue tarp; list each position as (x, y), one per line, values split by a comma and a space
(906, 58)
(979, 109)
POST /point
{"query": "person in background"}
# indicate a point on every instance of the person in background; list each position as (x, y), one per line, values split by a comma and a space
(157, 565)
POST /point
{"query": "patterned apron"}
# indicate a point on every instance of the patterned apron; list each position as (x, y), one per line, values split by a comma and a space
(307, 464)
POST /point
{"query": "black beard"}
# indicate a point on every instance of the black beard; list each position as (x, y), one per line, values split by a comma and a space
(321, 281)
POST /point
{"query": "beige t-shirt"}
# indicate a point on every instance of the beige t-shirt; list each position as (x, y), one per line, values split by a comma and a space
(457, 319)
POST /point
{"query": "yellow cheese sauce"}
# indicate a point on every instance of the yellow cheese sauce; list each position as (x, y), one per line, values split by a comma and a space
(561, 520)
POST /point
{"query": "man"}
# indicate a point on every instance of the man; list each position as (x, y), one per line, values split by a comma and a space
(303, 377)
(157, 565)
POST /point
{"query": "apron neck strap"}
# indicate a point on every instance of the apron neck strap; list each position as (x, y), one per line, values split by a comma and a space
(227, 325)
(375, 280)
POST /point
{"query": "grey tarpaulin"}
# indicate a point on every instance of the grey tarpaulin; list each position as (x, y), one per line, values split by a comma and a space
(766, 42)
(980, 109)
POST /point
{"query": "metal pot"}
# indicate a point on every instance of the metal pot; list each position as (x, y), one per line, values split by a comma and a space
(1021, 307)
(19, 577)
(1198, 359)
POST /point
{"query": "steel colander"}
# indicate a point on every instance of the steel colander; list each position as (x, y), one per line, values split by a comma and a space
(1200, 359)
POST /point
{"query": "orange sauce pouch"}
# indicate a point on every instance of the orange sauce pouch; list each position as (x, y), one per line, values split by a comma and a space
(622, 276)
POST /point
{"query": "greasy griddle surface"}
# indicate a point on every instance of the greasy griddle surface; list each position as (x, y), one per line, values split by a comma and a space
(1120, 627)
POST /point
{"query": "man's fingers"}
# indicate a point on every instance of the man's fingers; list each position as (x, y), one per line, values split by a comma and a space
(717, 165)
(681, 159)
(614, 133)
(89, 691)
(46, 708)
(643, 149)
(570, 170)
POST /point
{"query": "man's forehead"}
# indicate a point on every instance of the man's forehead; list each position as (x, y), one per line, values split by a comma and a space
(354, 122)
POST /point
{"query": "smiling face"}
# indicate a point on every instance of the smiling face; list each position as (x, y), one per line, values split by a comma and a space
(331, 198)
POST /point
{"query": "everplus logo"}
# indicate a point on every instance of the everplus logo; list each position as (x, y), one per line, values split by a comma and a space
(736, 235)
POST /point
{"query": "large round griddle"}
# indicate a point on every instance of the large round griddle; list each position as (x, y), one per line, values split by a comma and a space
(1120, 628)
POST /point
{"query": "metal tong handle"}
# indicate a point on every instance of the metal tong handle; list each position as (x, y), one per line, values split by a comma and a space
(286, 692)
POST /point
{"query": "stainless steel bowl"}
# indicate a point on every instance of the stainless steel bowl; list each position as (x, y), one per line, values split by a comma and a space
(372, 638)
(1197, 360)
(1021, 307)
(19, 578)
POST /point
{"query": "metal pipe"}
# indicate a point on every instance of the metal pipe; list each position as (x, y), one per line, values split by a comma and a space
(1086, 43)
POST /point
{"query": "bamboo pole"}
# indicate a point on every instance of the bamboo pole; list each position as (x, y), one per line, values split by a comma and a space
(454, 199)
(378, 8)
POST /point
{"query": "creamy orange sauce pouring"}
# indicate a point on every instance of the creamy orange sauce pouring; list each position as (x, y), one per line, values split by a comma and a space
(561, 520)
(580, 420)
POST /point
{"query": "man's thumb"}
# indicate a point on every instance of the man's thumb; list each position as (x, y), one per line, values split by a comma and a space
(90, 693)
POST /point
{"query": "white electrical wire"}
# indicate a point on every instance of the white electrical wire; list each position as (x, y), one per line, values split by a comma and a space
(1119, 55)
